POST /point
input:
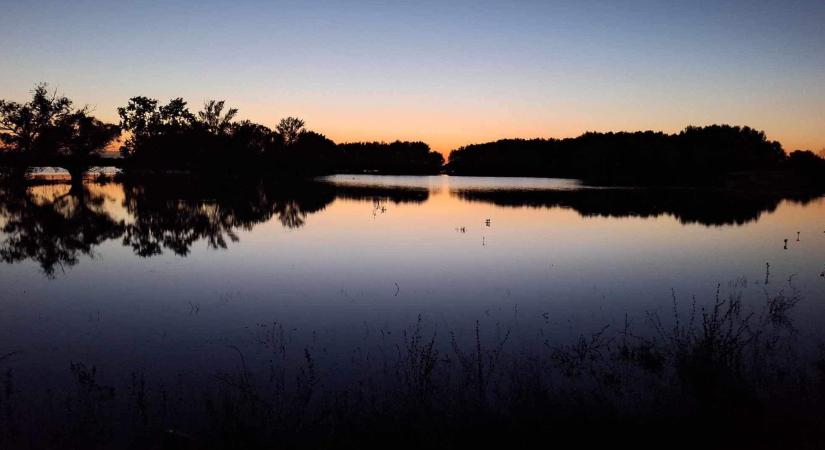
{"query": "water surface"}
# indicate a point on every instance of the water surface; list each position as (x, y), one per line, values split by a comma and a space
(166, 277)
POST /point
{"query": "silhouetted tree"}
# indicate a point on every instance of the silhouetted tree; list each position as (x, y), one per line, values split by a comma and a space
(48, 130)
(77, 139)
(808, 166)
(311, 153)
(253, 145)
(290, 128)
(159, 135)
(214, 143)
(141, 118)
(214, 120)
(23, 125)
(725, 148)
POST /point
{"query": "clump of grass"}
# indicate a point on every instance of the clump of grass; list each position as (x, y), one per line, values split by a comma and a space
(89, 408)
(479, 364)
(417, 360)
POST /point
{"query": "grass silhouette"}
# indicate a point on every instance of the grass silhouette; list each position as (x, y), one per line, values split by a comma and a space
(719, 375)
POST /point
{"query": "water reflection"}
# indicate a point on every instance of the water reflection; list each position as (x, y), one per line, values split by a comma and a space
(172, 215)
(710, 207)
(344, 268)
(381, 194)
(54, 224)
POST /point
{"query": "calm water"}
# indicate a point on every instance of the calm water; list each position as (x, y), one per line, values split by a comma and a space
(167, 277)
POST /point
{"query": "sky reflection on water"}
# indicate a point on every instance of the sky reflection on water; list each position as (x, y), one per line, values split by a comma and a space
(164, 277)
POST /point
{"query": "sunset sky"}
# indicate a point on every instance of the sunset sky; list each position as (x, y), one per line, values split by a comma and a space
(446, 72)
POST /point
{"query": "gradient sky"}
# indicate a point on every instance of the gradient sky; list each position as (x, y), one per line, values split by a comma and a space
(447, 73)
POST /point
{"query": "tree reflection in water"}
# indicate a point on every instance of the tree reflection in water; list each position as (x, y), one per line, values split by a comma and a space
(174, 215)
(709, 207)
(53, 225)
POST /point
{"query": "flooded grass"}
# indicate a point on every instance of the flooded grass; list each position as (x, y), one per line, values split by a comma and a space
(715, 375)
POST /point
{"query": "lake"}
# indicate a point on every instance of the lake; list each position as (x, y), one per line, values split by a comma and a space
(171, 277)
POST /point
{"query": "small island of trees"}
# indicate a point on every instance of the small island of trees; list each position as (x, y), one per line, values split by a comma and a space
(715, 154)
(153, 137)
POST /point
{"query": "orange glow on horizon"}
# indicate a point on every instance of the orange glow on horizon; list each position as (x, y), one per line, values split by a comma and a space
(446, 129)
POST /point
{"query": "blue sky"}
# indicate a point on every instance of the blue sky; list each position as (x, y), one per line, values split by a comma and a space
(448, 73)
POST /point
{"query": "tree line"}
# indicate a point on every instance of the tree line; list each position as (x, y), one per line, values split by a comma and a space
(694, 155)
(50, 130)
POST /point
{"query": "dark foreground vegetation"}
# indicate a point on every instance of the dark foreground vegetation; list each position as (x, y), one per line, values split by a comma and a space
(151, 136)
(715, 375)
